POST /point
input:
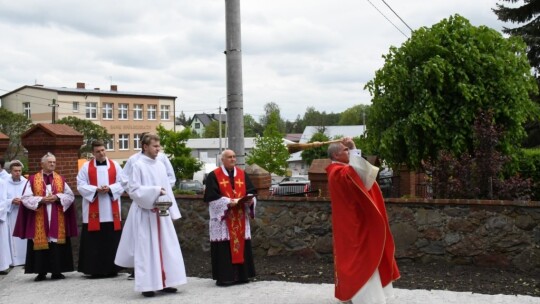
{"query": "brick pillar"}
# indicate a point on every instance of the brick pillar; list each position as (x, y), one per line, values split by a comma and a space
(62, 141)
(406, 181)
(4, 144)
(318, 178)
(260, 178)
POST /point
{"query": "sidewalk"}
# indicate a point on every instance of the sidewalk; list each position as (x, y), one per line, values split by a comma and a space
(16, 287)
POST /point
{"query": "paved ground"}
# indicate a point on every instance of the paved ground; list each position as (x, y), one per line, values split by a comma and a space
(16, 287)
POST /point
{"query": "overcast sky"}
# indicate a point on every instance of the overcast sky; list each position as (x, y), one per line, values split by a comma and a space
(296, 53)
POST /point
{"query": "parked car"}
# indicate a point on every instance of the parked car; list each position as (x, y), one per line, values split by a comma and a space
(292, 186)
(190, 185)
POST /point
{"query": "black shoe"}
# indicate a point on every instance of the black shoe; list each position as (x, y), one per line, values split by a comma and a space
(57, 276)
(148, 294)
(96, 276)
(40, 277)
(169, 290)
(131, 276)
(224, 284)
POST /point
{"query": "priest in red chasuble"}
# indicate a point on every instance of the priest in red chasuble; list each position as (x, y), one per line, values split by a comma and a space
(47, 220)
(364, 261)
(230, 233)
(99, 183)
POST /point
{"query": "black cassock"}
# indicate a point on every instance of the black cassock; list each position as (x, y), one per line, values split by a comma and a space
(223, 270)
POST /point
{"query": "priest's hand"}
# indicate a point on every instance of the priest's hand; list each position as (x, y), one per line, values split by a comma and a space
(103, 189)
(16, 201)
(49, 199)
(233, 202)
(162, 192)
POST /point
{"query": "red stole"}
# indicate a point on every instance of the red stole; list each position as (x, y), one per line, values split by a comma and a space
(93, 212)
(363, 242)
(236, 216)
(57, 214)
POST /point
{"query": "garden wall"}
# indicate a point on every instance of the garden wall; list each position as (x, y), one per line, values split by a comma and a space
(490, 233)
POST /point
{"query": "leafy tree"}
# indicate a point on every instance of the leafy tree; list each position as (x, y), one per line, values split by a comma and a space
(13, 125)
(182, 120)
(426, 96)
(212, 130)
(174, 146)
(313, 117)
(480, 175)
(296, 126)
(88, 129)
(251, 127)
(270, 153)
(529, 15)
(309, 155)
(354, 116)
(271, 109)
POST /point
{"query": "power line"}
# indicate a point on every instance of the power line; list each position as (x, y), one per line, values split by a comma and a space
(397, 15)
(387, 19)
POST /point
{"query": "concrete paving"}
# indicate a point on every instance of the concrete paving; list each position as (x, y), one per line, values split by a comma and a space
(19, 288)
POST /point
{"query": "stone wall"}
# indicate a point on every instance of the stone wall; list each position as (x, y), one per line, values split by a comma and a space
(505, 234)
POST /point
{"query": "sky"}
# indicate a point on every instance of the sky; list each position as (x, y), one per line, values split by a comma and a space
(295, 53)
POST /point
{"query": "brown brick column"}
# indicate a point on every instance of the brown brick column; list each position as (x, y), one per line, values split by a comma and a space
(4, 144)
(318, 178)
(62, 141)
(260, 178)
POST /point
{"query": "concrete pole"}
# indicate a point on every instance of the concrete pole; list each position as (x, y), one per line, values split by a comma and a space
(235, 99)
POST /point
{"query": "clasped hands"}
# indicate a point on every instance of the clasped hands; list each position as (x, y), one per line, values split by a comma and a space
(103, 189)
(49, 199)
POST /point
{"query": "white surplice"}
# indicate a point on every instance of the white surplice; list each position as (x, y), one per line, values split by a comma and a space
(17, 245)
(88, 192)
(154, 239)
(5, 252)
(126, 244)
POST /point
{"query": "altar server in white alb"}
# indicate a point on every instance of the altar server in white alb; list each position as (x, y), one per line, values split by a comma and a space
(5, 254)
(99, 183)
(157, 257)
(14, 188)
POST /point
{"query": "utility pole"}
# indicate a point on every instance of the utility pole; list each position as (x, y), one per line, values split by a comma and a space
(219, 129)
(235, 102)
(53, 105)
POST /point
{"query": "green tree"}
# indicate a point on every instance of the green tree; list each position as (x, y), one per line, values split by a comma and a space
(88, 129)
(309, 155)
(251, 127)
(270, 153)
(174, 146)
(426, 96)
(13, 125)
(182, 120)
(528, 15)
(212, 130)
(354, 116)
(272, 115)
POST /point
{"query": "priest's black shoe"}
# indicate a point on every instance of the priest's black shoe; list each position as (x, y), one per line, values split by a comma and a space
(169, 290)
(224, 284)
(57, 276)
(40, 277)
(148, 294)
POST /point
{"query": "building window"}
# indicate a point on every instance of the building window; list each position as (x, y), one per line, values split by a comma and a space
(123, 109)
(76, 107)
(91, 110)
(164, 111)
(137, 112)
(152, 112)
(107, 111)
(197, 125)
(110, 144)
(123, 142)
(26, 110)
(137, 141)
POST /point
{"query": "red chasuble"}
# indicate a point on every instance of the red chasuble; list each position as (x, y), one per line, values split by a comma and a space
(93, 212)
(363, 242)
(236, 216)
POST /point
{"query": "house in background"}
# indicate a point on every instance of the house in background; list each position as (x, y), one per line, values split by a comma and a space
(297, 166)
(200, 121)
(125, 115)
